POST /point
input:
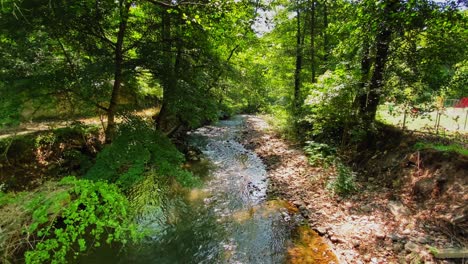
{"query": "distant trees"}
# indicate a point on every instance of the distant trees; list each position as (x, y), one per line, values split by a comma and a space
(362, 52)
(198, 59)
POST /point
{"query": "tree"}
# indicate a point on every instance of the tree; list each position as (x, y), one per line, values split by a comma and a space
(385, 28)
(104, 48)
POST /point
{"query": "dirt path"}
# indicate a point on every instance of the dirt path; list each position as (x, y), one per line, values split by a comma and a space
(32, 127)
(367, 228)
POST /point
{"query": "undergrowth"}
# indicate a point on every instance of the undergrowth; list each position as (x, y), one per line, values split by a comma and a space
(58, 220)
(320, 154)
(137, 149)
(342, 182)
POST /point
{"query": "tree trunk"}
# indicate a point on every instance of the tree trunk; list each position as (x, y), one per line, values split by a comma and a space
(297, 73)
(369, 109)
(383, 39)
(168, 119)
(361, 98)
(312, 41)
(118, 63)
(167, 79)
(325, 35)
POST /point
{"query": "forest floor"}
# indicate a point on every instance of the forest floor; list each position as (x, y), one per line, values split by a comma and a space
(377, 224)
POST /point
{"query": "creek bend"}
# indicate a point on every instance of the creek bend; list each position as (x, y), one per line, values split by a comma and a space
(227, 220)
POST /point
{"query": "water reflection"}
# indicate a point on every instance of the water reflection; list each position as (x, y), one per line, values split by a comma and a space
(228, 220)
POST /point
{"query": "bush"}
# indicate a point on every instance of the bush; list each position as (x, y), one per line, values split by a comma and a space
(320, 154)
(344, 182)
(60, 218)
(328, 107)
(137, 149)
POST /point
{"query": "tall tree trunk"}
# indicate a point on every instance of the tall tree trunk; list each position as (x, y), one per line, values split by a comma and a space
(361, 98)
(312, 41)
(168, 120)
(167, 80)
(118, 76)
(297, 73)
(383, 39)
(325, 35)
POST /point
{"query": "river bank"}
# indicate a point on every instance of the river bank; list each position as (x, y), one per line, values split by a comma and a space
(368, 227)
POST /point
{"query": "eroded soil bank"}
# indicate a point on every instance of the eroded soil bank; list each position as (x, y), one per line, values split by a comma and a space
(380, 223)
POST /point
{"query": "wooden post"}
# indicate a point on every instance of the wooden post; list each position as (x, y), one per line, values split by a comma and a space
(404, 119)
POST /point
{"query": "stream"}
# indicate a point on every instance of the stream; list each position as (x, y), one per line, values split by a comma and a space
(227, 220)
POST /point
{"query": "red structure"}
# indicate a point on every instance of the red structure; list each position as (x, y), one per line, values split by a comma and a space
(463, 103)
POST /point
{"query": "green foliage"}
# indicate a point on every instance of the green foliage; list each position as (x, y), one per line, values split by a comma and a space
(9, 111)
(280, 120)
(433, 250)
(456, 88)
(444, 148)
(328, 107)
(76, 159)
(137, 148)
(320, 154)
(343, 183)
(61, 220)
(45, 139)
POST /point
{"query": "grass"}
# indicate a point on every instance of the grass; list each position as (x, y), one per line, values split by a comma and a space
(444, 148)
(452, 119)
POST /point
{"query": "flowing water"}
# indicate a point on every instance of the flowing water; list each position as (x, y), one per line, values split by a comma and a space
(228, 220)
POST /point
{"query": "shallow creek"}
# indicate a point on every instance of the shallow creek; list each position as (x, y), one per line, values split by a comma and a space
(227, 220)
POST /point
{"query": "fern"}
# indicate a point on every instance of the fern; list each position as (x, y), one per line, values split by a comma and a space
(137, 149)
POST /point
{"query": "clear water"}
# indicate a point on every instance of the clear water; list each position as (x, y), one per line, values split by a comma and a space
(228, 220)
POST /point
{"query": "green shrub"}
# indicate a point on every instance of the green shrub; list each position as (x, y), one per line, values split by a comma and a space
(62, 219)
(327, 113)
(137, 149)
(344, 182)
(45, 139)
(320, 154)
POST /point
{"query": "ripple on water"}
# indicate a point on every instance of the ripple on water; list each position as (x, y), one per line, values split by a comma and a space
(228, 220)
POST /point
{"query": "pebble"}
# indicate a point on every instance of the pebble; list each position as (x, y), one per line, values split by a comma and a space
(367, 258)
(366, 208)
(397, 247)
(380, 235)
(423, 240)
(396, 237)
(335, 239)
(411, 247)
(356, 243)
(321, 230)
